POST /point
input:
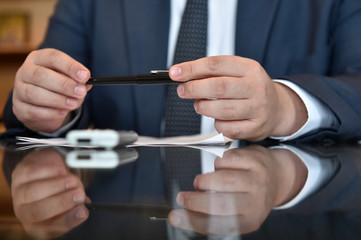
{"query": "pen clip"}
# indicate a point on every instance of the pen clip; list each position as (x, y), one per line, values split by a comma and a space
(159, 71)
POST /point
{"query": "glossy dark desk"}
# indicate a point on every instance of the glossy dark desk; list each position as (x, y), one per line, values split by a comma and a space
(136, 197)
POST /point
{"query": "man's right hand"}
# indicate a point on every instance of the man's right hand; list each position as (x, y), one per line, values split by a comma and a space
(48, 86)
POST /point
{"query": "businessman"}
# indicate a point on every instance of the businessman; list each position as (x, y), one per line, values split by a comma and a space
(289, 70)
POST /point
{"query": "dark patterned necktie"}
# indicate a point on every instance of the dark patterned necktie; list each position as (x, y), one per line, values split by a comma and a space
(183, 164)
(180, 116)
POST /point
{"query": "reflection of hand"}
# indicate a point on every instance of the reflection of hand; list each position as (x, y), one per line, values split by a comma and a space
(48, 86)
(239, 94)
(239, 195)
(48, 200)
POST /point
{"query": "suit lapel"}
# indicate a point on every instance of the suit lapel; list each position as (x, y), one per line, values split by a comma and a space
(254, 22)
(147, 34)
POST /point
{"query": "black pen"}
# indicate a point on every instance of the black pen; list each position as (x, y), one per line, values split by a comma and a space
(154, 77)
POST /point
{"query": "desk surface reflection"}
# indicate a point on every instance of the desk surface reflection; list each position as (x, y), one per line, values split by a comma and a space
(130, 194)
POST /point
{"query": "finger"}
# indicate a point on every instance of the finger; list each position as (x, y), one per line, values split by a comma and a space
(39, 165)
(61, 62)
(42, 97)
(216, 87)
(223, 204)
(35, 191)
(246, 158)
(88, 87)
(56, 82)
(230, 66)
(206, 224)
(59, 225)
(180, 218)
(225, 181)
(31, 111)
(40, 118)
(230, 109)
(50, 207)
(247, 129)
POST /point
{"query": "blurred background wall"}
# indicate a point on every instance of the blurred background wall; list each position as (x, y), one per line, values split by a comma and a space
(22, 27)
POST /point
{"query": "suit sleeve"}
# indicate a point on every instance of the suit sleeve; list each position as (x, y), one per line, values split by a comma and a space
(340, 90)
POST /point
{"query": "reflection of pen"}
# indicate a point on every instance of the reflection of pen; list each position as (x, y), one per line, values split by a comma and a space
(154, 212)
(155, 77)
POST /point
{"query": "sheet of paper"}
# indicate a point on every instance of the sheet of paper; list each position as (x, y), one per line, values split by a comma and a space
(193, 140)
(29, 143)
(214, 143)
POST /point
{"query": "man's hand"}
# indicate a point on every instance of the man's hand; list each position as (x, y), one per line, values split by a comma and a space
(48, 86)
(239, 94)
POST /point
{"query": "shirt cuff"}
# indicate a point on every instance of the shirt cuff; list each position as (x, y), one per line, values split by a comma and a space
(319, 115)
(66, 127)
(319, 170)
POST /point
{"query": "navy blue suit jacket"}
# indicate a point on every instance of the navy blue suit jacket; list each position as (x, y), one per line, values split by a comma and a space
(314, 43)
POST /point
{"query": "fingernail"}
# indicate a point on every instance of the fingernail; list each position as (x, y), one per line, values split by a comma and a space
(70, 184)
(181, 90)
(175, 72)
(71, 102)
(81, 74)
(80, 213)
(196, 105)
(80, 90)
(180, 199)
(78, 198)
(175, 219)
(195, 183)
(88, 200)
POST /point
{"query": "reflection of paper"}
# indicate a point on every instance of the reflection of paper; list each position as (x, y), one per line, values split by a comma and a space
(214, 143)
(217, 150)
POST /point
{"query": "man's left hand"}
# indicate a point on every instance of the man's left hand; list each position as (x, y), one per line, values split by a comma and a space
(239, 94)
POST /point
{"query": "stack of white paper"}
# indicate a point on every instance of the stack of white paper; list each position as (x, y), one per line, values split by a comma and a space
(214, 142)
